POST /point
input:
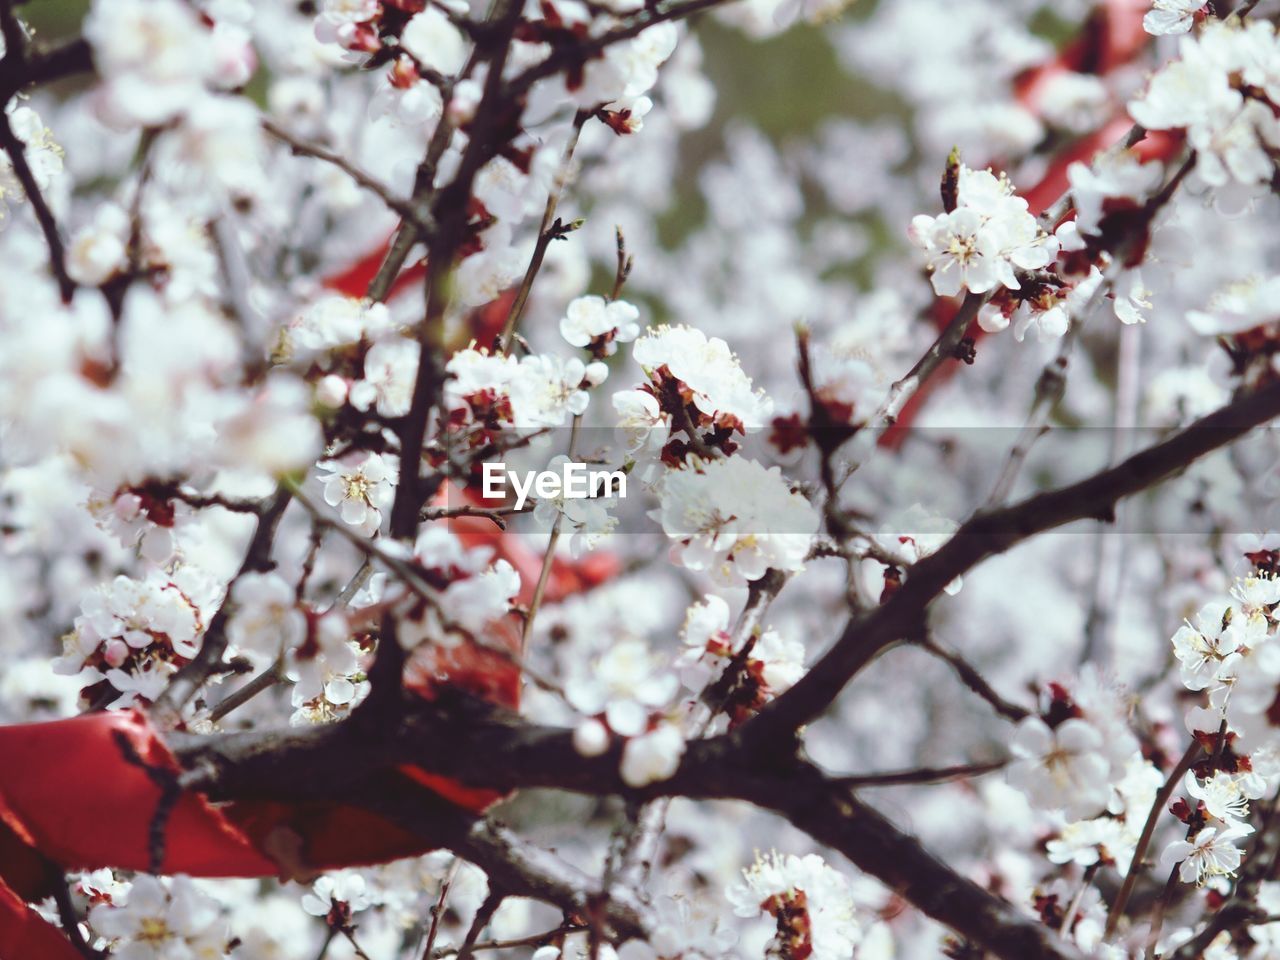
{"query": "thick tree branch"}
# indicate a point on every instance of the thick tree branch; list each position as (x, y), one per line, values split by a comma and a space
(487, 747)
(991, 532)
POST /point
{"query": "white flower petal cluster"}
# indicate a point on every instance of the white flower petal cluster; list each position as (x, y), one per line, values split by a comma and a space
(326, 670)
(653, 756)
(547, 391)
(1223, 91)
(627, 69)
(775, 662)
(1210, 645)
(361, 485)
(812, 903)
(643, 426)
(154, 57)
(1211, 853)
(587, 520)
(707, 373)
(1171, 16)
(434, 41)
(346, 890)
(335, 321)
(161, 920)
(593, 320)
(1062, 767)
(267, 620)
(1114, 178)
(625, 686)
(390, 372)
(1238, 307)
(468, 589)
(530, 394)
(736, 519)
(981, 244)
(135, 633)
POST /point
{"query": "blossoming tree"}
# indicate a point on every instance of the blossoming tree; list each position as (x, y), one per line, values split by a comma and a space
(933, 611)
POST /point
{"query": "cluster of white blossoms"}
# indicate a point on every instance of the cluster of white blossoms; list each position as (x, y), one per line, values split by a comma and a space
(1171, 16)
(273, 628)
(600, 325)
(154, 919)
(1226, 651)
(135, 634)
(704, 374)
(463, 593)
(336, 321)
(769, 667)
(245, 322)
(1067, 756)
(985, 240)
(360, 485)
(736, 519)
(1222, 90)
(811, 903)
(497, 391)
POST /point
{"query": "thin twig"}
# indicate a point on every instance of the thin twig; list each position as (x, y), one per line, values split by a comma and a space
(262, 682)
(408, 211)
(941, 349)
(1144, 839)
(547, 232)
(974, 680)
(533, 940)
(548, 557)
(437, 911)
(922, 775)
(481, 920)
(15, 148)
(1050, 388)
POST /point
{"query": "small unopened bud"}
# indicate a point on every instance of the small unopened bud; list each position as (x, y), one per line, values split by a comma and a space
(951, 181)
(331, 392)
(590, 738)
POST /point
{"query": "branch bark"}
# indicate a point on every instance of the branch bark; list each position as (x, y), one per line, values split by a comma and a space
(994, 531)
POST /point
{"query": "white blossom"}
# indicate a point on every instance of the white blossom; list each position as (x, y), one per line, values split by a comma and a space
(811, 902)
(736, 519)
(1171, 16)
(1210, 853)
(1062, 767)
(652, 757)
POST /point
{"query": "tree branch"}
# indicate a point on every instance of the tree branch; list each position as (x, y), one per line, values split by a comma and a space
(991, 532)
(166, 712)
(16, 150)
(408, 211)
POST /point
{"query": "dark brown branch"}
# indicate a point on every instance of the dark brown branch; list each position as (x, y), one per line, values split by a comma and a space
(46, 66)
(974, 680)
(16, 150)
(568, 58)
(991, 532)
(487, 747)
(921, 775)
